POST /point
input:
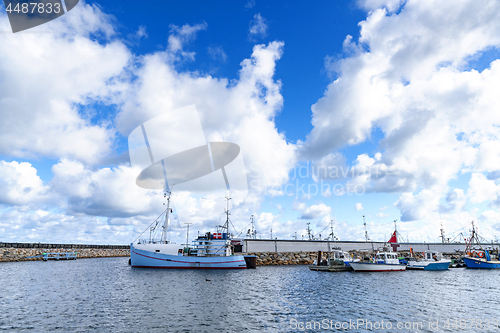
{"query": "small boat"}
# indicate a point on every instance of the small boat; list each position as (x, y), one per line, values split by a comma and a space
(481, 259)
(384, 262)
(209, 251)
(335, 262)
(432, 261)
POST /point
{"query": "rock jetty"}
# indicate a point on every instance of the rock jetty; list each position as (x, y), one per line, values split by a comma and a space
(284, 258)
(24, 254)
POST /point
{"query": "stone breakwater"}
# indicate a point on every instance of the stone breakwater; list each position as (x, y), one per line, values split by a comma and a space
(23, 254)
(284, 258)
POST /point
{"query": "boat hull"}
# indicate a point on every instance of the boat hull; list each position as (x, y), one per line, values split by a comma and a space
(481, 263)
(376, 267)
(429, 266)
(147, 259)
(333, 268)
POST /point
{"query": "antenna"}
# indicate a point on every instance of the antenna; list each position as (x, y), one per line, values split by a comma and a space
(442, 233)
(331, 228)
(396, 230)
(366, 232)
(253, 232)
(308, 230)
(226, 225)
(187, 233)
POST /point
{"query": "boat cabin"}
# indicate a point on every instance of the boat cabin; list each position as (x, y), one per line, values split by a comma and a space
(387, 258)
(432, 256)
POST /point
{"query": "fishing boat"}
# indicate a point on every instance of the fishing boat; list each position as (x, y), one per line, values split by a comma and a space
(384, 262)
(479, 258)
(208, 251)
(335, 262)
(483, 260)
(431, 261)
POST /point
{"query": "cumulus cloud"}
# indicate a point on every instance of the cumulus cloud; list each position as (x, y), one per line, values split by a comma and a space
(50, 82)
(110, 192)
(258, 27)
(20, 185)
(482, 189)
(455, 200)
(57, 119)
(406, 77)
(228, 112)
(179, 37)
(358, 206)
(312, 212)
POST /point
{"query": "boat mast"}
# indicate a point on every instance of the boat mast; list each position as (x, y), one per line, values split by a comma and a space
(165, 223)
(226, 224)
(366, 232)
(331, 228)
(396, 230)
(187, 232)
(253, 232)
(442, 233)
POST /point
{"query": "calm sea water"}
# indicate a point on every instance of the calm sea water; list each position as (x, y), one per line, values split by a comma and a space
(107, 295)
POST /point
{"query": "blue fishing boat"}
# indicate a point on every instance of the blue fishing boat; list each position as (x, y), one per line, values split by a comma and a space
(432, 261)
(484, 263)
(479, 259)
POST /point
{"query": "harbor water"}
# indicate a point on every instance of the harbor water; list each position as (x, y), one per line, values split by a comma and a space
(107, 295)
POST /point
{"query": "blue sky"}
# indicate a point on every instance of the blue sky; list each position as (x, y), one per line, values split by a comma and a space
(395, 96)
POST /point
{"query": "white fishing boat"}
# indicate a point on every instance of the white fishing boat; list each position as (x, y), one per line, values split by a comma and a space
(432, 261)
(383, 262)
(209, 251)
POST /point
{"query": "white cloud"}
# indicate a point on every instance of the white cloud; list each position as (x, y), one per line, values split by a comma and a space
(217, 53)
(110, 192)
(405, 77)
(312, 212)
(141, 32)
(258, 27)
(20, 184)
(180, 36)
(51, 80)
(250, 4)
(66, 73)
(482, 189)
(358, 206)
(455, 200)
(390, 5)
(228, 112)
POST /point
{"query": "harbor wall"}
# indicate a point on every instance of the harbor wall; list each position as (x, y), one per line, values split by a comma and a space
(22, 251)
(294, 246)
